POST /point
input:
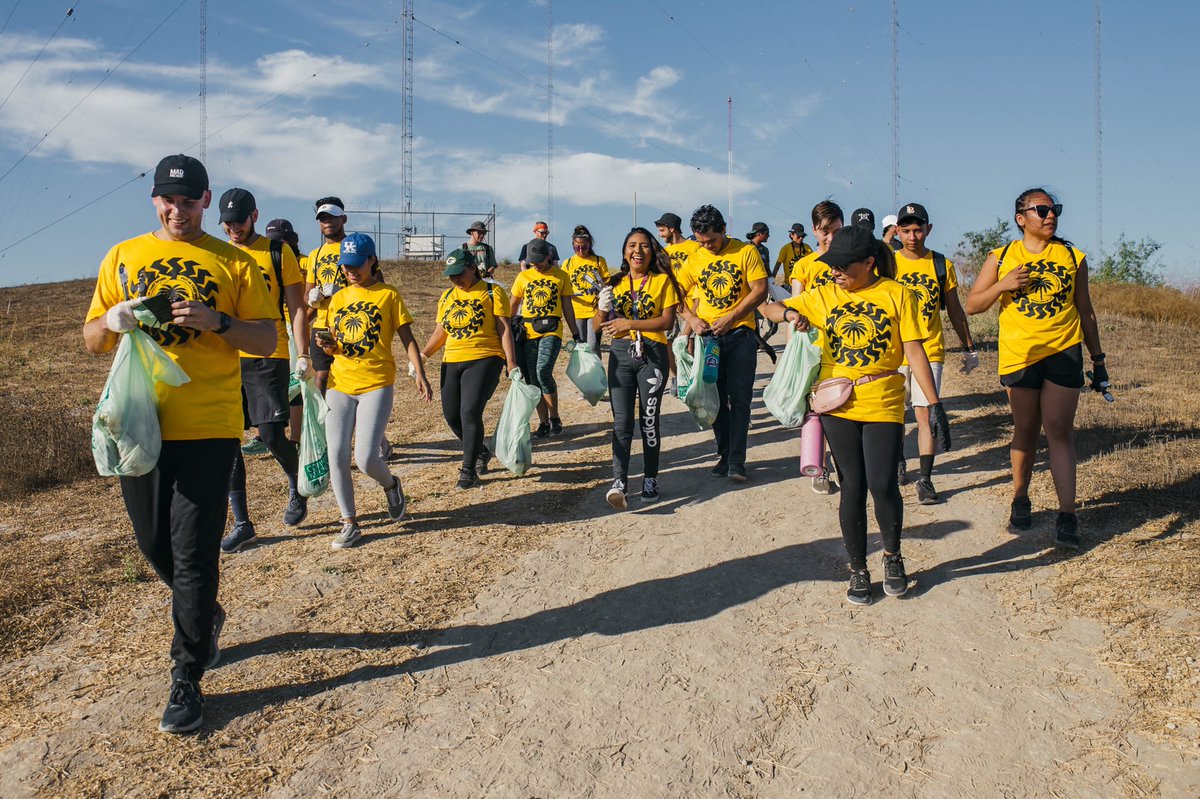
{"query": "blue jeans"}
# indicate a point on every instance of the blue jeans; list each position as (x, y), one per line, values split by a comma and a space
(540, 355)
(735, 390)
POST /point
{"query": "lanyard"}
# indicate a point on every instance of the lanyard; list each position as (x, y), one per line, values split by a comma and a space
(633, 295)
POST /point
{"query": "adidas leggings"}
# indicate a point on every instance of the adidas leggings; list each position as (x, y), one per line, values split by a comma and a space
(866, 454)
(367, 415)
(642, 384)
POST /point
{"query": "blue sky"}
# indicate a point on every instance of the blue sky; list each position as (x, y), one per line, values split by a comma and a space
(994, 98)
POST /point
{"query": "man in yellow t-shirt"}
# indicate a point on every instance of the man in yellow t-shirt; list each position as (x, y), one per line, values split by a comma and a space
(917, 267)
(789, 254)
(218, 305)
(265, 380)
(324, 278)
(723, 283)
(678, 250)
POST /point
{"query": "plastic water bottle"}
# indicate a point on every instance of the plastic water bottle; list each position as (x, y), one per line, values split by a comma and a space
(812, 446)
(712, 357)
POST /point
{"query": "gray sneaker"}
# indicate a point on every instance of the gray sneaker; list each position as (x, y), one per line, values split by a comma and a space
(616, 495)
(395, 499)
(926, 494)
(348, 537)
(296, 510)
(241, 534)
(822, 484)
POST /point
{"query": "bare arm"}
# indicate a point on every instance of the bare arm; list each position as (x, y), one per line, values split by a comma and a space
(1087, 312)
(97, 337)
(414, 357)
(958, 319)
(507, 345)
(988, 287)
(751, 300)
(435, 341)
(298, 311)
(569, 316)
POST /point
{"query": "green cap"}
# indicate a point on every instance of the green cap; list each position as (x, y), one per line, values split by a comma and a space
(458, 262)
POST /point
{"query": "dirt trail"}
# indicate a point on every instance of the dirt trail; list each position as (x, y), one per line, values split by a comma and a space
(700, 646)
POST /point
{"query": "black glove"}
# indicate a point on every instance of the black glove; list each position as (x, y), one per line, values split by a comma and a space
(939, 425)
(1099, 375)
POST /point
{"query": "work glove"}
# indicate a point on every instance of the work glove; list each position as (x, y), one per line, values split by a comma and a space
(303, 367)
(328, 289)
(939, 425)
(314, 297)
(121, 318)
(1099, 374)
(604, 300)
(569, 345)
(970, 361)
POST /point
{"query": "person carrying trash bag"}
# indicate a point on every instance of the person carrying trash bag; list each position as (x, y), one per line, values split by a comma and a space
(473, 326)
(869, 323)
(636, 309)
(213, 303)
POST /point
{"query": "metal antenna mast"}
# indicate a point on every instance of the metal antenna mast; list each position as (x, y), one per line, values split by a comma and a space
(550, 113)
(1099, 153)
(895, 107)
(406, 138)
(203, 80)
(729, 167)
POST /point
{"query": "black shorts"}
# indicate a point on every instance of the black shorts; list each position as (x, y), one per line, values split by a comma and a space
(320, 361)
(1062, 369)
(265, 390)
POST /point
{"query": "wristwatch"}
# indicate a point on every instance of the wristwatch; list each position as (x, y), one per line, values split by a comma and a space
(226, 321)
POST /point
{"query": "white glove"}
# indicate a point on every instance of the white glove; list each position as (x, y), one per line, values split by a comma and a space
(314, 297)
(604, 301)
(328, 289)
(412, 369)
(970, 361)
(303, 367)
(120, 318)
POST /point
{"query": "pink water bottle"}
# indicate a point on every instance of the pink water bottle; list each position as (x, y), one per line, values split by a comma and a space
(812, 446)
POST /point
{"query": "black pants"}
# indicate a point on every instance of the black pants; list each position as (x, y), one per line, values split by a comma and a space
(644, 383)
(735, 390)
(274, 435)
(178, 515)
(466, 389)
(866, 454)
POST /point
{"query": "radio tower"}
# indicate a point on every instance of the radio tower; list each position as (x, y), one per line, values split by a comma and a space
(1099, 151)
(406, 138)
(550, 114)
(895, 108)
(203, 80)
(729, 163)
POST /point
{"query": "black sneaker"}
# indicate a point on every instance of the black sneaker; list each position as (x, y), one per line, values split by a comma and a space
(1021, 515)
(721, 469)
(241, 534)
(616, 495)
(214, 647)
(902, 473)
(738, 473)
(926, 494)
(895, 579)
(649, 489)
(296, 510)
(481, 463)
(1066, 531)
(185, 708)
(859, 591)
(555, 426)
(395, 499)
(467, 478)
(542, 431)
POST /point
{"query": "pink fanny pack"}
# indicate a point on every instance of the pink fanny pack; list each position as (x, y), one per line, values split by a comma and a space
(831, 394)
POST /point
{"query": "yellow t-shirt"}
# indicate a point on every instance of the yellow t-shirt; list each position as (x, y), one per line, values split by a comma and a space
(654, 295)
(1042, 320)
(323, 268)
(718, 282)
(222, 277)
(260, 251)
(469, 318)
(811, 272)
(920, 277)
(542, 294)
(863, 334)
(788, 255)
(679, 253)
(579, 268)
(364, 321)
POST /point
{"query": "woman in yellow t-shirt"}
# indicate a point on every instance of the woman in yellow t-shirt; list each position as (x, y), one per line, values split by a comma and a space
(472, 324)
(588, 273)
(362, 319)
(637, 308)
(1046, 314)
(869, 323)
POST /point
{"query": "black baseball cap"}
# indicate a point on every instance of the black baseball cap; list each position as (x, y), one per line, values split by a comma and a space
(864, 217)
(180, 174)
(236, 205)
(798, 229)
(850, 244)
(912, 212)
(281, 230)
(537, 251)
(756, 228)
(669, 220)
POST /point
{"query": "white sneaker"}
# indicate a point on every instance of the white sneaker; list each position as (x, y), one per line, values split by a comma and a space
(822, 484)
(348, 537)
(616, 495)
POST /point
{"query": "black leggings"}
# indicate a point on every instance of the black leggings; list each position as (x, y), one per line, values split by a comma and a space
(867, 454)
(644, 383)
(466, 388)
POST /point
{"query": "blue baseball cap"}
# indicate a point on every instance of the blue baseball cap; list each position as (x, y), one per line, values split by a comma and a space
(357, 249)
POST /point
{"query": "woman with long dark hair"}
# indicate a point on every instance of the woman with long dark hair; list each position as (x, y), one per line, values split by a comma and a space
(588, 272)
(1046, 317)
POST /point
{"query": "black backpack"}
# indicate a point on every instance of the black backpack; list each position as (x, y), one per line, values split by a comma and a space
(939, 268)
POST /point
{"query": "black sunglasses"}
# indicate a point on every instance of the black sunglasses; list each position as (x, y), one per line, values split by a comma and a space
(1043, 211)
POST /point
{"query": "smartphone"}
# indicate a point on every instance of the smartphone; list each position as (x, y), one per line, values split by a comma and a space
(160, 306)
(324, 338)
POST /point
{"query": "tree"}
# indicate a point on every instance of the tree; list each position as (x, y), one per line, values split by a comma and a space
(1131, 262)
(973, 248)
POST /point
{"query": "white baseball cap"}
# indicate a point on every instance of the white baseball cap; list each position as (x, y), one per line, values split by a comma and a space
(889, 220)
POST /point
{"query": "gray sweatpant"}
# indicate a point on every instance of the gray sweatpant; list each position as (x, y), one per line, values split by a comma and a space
(367, 414)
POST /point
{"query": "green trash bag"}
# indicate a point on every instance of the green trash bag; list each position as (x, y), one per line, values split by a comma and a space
(511, 442)
(314, 451)
(786, 396)
(293, 381)
(702, 400)
(126, 436)
(586, 371)
(685, 365)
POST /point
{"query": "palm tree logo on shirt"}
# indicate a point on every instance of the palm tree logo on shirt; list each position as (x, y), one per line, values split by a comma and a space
(541, 298)
(1048, 292)
(357, 327)
(645, 305)
(721, 282)
(859, 333)
(463, 319)
(180, 280)
(327, 271)
(581, 282)
(925, 288)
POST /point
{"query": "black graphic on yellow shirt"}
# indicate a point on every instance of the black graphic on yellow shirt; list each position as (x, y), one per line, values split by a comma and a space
(581, 282)
(1048, 292)
(181, 280)
(859, 333)
(822, 277)
(721, 282)
(541, 298)
(326, 270)
(927, 291)
(678, 259)
(645, 306)
(463, 318)
(357, 328)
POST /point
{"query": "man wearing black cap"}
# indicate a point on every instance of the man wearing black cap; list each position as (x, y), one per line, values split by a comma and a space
(758, 235)
(265, 380)
(864, 218)
(481, 251)
(932, 279)
(791, 252)
(324, 277)
(219, 305)
(282, 230)
(677, 246)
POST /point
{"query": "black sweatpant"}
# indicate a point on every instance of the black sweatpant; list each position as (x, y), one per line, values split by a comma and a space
(178, 516)
(866, 455)
(466, 389)
(644, 383)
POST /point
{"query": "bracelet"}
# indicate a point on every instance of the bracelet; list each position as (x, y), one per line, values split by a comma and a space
(226, 321)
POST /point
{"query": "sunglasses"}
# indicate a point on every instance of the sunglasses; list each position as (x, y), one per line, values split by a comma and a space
(1043, 211)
